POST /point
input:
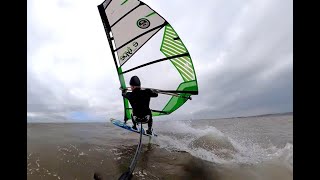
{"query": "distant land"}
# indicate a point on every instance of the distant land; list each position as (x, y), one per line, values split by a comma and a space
(252, 116)
(263, 115)
(50, 120)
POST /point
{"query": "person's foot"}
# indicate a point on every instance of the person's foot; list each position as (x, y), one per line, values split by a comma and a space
(149, 131)
(135, 127)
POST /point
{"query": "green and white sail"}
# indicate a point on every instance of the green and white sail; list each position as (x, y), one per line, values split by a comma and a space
(143, 43)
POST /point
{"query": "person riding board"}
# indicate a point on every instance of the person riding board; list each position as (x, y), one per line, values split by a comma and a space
(140, 101)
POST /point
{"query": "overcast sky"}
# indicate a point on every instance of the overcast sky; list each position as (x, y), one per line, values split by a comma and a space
(242, 51)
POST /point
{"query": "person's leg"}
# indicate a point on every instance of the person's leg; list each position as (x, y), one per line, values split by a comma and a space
(150, 123)
(149, 130)
(134, 122)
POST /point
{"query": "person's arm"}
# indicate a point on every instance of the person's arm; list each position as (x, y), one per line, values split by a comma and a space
(153, 93)
(124, 93)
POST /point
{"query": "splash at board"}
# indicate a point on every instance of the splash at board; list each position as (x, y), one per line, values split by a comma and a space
(129, 128)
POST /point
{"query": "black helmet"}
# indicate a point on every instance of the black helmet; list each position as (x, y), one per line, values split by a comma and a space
(135, 81)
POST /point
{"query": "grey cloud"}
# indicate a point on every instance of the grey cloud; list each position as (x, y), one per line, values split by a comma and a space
(237, 86)
(244, 97)
(248, 79)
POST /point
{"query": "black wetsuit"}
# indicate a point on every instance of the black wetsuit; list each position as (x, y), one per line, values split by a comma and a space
(140, 100)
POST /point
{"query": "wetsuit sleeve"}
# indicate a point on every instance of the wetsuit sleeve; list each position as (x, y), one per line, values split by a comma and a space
(153, 93)
(125, 94)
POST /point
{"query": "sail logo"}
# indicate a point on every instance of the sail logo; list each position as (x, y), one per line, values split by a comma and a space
(129, 51)
(143, 23)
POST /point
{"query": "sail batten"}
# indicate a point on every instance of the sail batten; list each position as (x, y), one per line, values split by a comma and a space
(125, 15)
(156, 61)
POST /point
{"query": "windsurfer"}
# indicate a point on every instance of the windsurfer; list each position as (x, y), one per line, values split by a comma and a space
(140, 101)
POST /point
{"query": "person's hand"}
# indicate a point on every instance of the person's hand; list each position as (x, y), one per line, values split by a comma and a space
(154, 90)
(123, 90)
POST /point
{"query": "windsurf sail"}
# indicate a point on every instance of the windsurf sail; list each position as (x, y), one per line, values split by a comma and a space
(144, 44)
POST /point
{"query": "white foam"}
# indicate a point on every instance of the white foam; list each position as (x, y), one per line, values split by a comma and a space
(82, 154)
(210, 144)
(37, 162)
